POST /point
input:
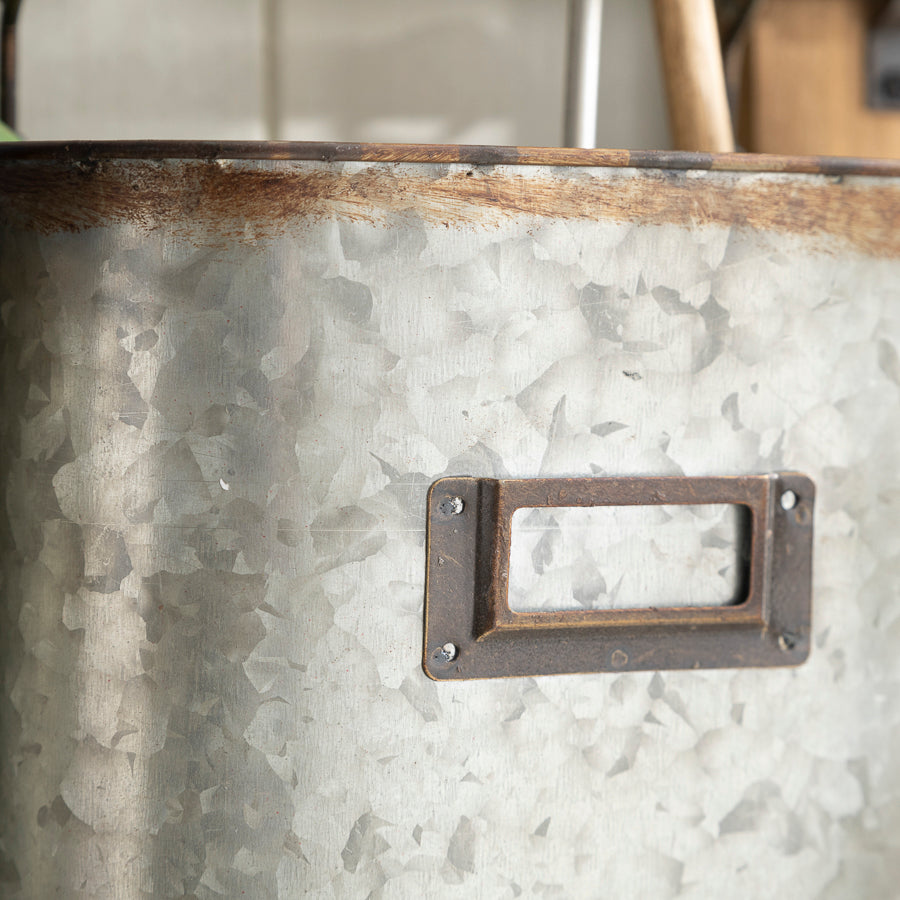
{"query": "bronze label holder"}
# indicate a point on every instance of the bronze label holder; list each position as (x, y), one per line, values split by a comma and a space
(471, 631)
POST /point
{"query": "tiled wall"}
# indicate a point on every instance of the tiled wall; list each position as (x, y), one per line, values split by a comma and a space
(470, 71)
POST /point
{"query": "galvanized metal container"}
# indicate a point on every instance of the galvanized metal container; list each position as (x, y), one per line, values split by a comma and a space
(231, 374)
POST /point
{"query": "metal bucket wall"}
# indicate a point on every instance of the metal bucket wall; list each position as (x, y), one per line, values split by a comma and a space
(229, 385)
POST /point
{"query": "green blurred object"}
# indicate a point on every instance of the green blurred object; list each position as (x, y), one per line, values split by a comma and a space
(7, 134)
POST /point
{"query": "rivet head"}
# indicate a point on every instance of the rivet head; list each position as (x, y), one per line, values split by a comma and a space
(451, 506)
(787, 641)
(447, 653)
(788, 500)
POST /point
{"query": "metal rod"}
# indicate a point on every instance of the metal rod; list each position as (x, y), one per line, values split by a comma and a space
(8, 70)
(583, 74)
(271, 75)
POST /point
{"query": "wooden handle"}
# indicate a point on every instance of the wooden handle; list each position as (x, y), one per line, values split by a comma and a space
(695, 75)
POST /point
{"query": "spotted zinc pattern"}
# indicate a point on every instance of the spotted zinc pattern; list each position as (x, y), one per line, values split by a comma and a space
(217, 439)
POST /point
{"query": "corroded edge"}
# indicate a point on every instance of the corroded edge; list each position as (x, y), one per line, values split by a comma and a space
(447, 153)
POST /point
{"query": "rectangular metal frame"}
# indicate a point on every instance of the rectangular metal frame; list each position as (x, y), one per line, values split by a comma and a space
(471, 631)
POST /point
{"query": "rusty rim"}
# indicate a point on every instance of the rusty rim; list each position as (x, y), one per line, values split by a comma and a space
(82, 151)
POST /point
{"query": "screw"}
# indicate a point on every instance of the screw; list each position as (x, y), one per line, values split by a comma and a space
(447, 653)
(787, 640)
(788, 500)
(451, 506)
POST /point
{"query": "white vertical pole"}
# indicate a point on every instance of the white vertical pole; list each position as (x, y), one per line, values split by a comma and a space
(583, 73)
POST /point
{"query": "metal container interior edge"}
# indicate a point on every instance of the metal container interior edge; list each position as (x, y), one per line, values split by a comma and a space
(231, 373)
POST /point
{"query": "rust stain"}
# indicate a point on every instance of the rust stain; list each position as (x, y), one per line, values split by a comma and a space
(203, 199)
(482, 155)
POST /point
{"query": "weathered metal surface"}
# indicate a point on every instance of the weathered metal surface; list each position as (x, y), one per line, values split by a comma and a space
(220, 427)
(468, 570)
(250, 202)
(628, 557)
(91, 152)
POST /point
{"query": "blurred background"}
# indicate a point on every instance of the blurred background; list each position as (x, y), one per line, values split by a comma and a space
(468, 71)
(804, 76)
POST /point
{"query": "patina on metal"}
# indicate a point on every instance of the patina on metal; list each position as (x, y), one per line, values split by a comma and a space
(90, 155)
(468, 555)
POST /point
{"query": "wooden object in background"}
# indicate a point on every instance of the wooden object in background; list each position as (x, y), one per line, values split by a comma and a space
(695, 79)
(804, 85)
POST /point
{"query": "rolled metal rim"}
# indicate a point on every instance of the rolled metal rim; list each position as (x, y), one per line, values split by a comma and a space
(86, 151)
